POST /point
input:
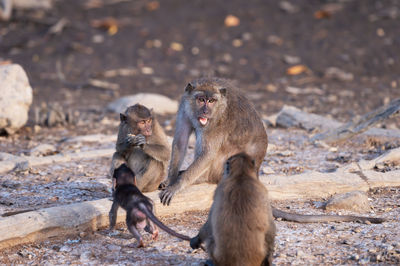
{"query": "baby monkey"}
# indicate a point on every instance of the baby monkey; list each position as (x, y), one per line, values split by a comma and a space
(240, 229)
(139, 208)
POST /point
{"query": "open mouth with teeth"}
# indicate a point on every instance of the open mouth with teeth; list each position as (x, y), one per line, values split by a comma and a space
(203, 121)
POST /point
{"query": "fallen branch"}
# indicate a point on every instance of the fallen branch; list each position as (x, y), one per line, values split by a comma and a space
(72, 219)
(361, 124)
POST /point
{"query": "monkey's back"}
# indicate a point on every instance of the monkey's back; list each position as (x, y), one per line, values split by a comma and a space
(241, 220)
(129, 195)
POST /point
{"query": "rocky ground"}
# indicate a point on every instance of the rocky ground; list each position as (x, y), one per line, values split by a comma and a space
(280, 52)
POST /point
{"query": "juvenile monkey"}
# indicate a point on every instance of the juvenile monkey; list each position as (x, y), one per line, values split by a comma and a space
(143, 146)
(240, 229)
(224, 122)
(139, 208)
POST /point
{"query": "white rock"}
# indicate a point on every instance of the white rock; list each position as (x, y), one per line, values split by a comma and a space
(159, 103)
(353, 201)
(15, 98)
(43, 149)
(337, 73)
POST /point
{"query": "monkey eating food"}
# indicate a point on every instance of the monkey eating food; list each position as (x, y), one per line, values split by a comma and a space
(143, 146)
(139, 208)
(240, 229)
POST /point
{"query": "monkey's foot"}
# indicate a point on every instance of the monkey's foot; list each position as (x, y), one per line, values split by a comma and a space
(140, 244)
(155, 235)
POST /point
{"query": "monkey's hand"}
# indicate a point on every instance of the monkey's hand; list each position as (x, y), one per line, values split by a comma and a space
(136, 140)
(167, 194)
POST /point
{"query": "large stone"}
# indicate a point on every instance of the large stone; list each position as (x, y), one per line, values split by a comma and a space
(159, 103)
(356, 201)
(15, 98)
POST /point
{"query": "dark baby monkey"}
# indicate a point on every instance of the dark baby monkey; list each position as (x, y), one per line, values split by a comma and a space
(143, 146)
(224, 122)
(240, 229)
(139, 208)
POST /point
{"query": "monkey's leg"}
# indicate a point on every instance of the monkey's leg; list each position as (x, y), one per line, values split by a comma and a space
(152, 229)
(116, 161)
(132, 228)
(112, 215)
(153, 176)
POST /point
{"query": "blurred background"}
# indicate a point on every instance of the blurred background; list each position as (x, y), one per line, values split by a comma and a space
(338, 58)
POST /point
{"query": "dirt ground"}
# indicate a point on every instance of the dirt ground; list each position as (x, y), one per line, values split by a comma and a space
(281, 52)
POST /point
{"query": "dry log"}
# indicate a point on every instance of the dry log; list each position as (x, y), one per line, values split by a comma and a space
(33, 4)
(72, 219)
(361, 124)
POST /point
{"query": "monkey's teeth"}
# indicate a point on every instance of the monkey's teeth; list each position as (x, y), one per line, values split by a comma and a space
(203, 121)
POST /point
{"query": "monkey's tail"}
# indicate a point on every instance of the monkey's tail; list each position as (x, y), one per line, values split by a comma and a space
(305, 218)
(155, 220)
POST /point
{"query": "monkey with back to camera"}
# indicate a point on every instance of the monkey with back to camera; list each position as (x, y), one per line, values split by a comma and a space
(225, 123)
(142, 144)
(240, 229)
(139, 208)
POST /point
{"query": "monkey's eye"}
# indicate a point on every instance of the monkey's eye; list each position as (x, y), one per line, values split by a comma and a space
(212, 100)
(148, 120)
(201, 99)
(142, 122)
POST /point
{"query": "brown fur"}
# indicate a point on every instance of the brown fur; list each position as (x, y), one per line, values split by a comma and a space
(240, 229)
(149, 162)
(233, 127)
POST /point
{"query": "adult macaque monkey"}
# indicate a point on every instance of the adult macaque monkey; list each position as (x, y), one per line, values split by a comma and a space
(139, 208)
(143, 146)
(240, 229)
(224, 122)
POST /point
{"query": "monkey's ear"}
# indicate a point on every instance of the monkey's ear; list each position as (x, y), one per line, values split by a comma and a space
(122, 117)
(189, 87)
(222, 91)
(253, 163)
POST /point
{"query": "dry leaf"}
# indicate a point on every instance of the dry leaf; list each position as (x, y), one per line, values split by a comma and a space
(296, 70)
(153, 5)
(232, 21)
(176, 46)
(110, 24)
(5, 62)
(320, 14)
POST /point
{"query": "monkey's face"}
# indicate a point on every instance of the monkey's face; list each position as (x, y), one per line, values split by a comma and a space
(144, 126)
(206, 105)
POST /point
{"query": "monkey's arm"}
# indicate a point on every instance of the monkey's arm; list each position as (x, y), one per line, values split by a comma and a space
(198, 168)
(179, 146)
